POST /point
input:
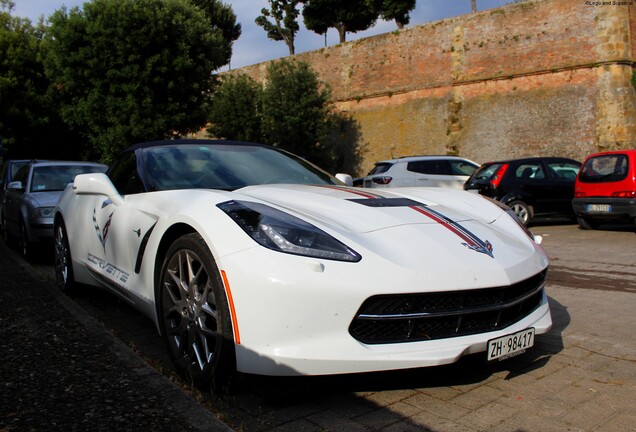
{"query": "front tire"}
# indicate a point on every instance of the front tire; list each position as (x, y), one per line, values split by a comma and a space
(24, 245)
(63, 262)
(523, 211)
(194, 314)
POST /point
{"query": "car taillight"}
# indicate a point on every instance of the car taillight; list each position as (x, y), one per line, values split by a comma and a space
(580, 194)
(382, 180)
(624, 194)
(498, 176)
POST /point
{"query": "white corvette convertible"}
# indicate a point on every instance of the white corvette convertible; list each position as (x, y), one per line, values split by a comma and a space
(250, 259)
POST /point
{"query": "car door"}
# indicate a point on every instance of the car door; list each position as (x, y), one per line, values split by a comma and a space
(136, 219)
(429, 172)
(562, 174)
(12, 200)
(534, 185)
(109, 255)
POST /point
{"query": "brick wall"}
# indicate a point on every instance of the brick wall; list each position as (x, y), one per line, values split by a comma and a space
(534, 78)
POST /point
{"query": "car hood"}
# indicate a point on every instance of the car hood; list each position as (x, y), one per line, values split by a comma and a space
(363, 210)
(416, 228)
(45, 199)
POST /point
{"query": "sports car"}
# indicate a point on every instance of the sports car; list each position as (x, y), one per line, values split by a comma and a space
(250, 259)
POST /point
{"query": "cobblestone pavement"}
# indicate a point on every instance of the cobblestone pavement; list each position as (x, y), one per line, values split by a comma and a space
(580, 377)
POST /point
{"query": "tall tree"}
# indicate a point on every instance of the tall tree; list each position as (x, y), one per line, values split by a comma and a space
(236, 109)
(28, 121)
(397, 10)
(285, 25)
(132, 70)
(295, 109)
(345, 16)
(222, 18)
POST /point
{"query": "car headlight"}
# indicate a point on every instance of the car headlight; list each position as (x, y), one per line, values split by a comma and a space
(43, 212)
(283, 232)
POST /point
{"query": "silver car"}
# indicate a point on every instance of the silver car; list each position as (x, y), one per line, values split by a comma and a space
(428, 171)
(29, 201)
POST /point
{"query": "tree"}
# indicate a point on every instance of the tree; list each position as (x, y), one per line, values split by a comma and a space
(29, 125)
(132, 70)
(236, 109)
(295, 109)
(397, 10)
(285, 25)
(345, 16)
(222, 18)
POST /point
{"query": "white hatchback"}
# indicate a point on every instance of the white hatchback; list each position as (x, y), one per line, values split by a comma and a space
(432, 171)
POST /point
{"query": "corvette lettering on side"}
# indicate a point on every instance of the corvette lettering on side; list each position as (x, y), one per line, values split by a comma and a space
(108, 268)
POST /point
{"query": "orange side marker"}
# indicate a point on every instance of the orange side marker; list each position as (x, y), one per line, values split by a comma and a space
(228, 291)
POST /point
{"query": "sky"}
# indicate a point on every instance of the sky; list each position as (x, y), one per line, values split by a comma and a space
(254, 47)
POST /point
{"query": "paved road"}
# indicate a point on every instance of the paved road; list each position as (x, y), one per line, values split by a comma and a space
(580, 377)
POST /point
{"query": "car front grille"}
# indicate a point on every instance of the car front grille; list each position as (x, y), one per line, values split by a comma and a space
(400, 318)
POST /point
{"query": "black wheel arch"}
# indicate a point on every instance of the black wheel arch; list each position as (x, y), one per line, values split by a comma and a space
(516, 196)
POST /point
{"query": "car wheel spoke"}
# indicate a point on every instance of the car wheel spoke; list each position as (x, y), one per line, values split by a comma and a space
(189, 312)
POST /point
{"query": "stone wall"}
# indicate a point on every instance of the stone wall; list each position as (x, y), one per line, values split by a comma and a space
(546, 77)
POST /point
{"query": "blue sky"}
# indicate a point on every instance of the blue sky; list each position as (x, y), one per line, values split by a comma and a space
(254, 47)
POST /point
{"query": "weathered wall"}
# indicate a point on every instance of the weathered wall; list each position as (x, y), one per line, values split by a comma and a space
(535, 78)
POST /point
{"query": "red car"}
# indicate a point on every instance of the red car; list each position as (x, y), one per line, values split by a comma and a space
(605, 189)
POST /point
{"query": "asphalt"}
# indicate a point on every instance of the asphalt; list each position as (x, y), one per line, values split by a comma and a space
(61, 370)
(81, 363)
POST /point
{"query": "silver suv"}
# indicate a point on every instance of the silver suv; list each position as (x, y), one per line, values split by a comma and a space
(432, 171)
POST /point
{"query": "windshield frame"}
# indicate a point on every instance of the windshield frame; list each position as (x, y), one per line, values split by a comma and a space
(224, 166)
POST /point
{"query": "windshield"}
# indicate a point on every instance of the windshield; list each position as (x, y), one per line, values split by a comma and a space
(604, 168)
(226, 166)
(486, 172)
(380, 167)
(55, 177)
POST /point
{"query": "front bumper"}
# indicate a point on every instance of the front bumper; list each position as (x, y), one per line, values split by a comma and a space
(294, 313)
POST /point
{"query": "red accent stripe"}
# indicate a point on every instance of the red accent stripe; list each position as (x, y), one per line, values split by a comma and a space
(445, 224)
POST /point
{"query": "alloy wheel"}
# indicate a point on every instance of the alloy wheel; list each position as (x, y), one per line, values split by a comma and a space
(194, 318)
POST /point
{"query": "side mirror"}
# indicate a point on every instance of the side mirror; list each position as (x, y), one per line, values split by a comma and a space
(97, 184)
(345, 178)
(16, 185)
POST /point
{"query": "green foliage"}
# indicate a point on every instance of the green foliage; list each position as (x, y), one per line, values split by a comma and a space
(350, 16)
(634, 79)
(236, 109)
(285, 25)
(397, 10)
(29, 126)
(290, 111)
(222, 19)
(126, 71)
(295, 109)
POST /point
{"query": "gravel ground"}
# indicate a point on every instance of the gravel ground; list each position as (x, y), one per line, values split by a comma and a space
(62, 371)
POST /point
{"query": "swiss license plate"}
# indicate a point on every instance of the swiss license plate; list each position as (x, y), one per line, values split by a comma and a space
(601, 208)
(510, 345)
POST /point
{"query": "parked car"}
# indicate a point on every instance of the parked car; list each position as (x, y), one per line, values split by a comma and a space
(9, 170)
(249, 258)
(531, 187)
(30, 199)
(605, 189)
(434, 171)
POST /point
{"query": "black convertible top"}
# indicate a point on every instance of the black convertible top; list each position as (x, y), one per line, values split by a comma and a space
(191, 141)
